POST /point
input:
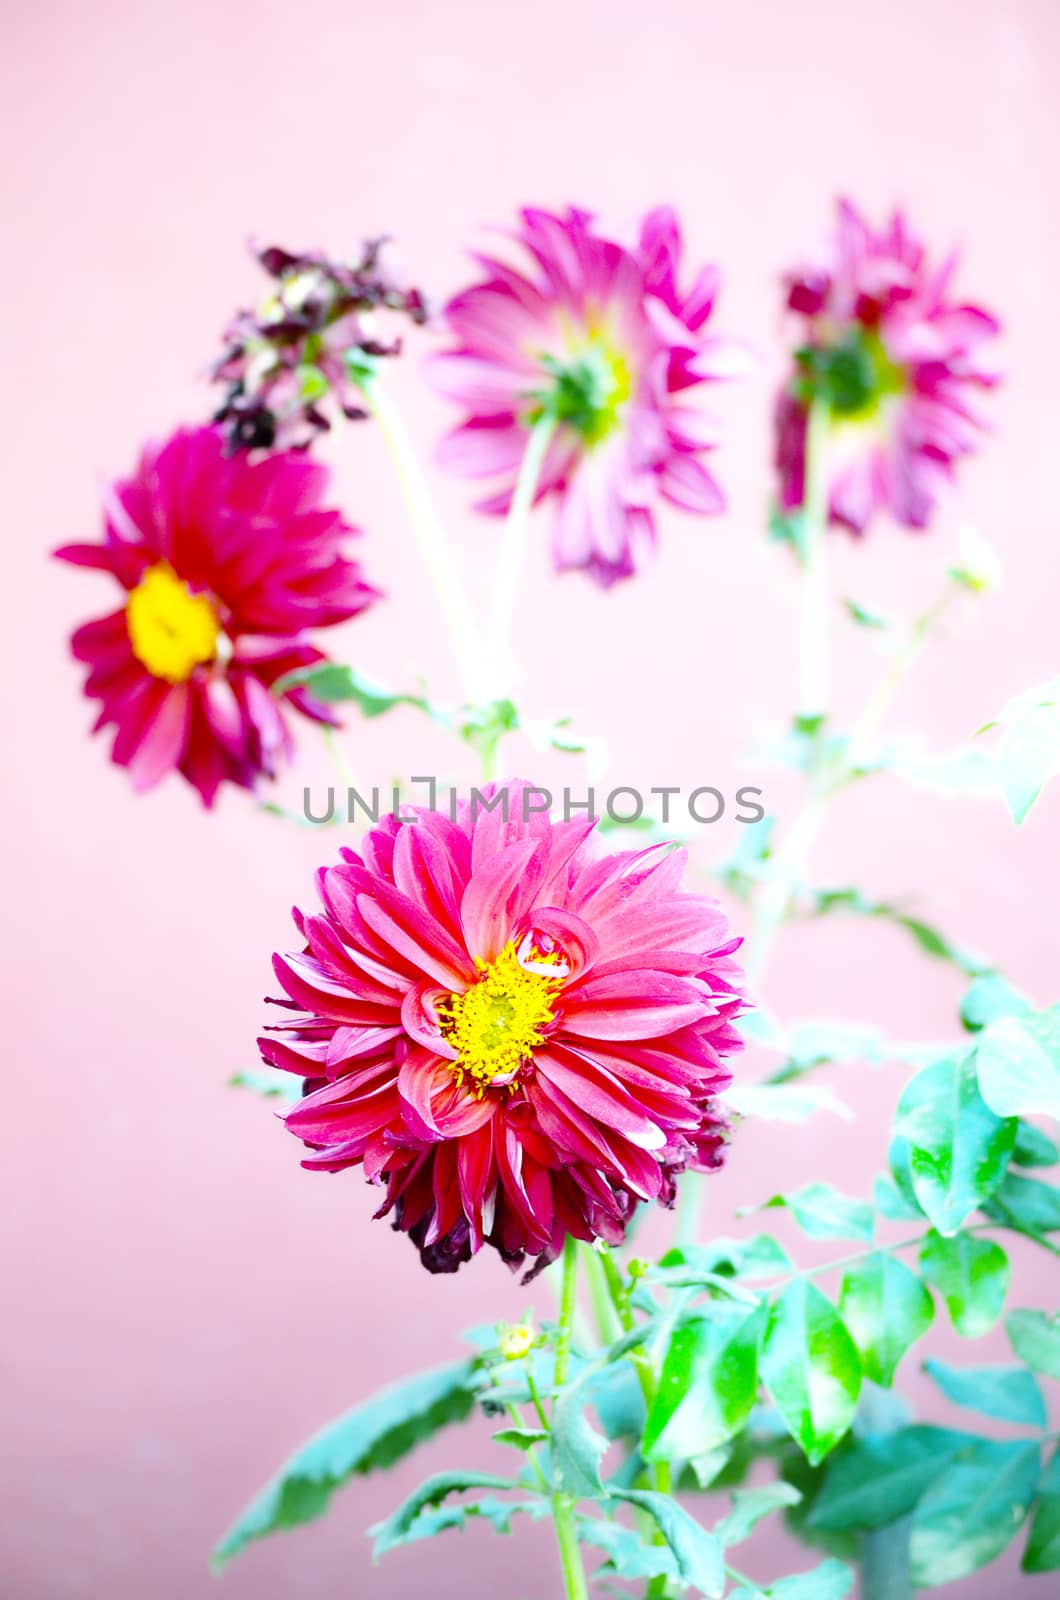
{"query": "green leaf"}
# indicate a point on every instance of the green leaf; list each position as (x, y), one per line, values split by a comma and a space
(335, 684)
(959, 1149)
(749, 1506)
(811, 1368)
(927, 938)
(1033, 1148)
(370, 1438)
(1043, 1544)
(785, 1102)
(880, 1478)
(707, 1386)
(748, 1259)
(627, 1553)
(1009, 1393)
(971, 1275)
(886, 1308)
(1035, 1337)
(1019, 1064)
(972, 1511)
(577, 1447)
(273, 1085)
(989, 998)
(520, 1438)
(824, 1213)
(832, 1580)
(864, 619)
(698, 1554)
(900, 1159)
(1028, 756)
(408, 1523)
(1027, 1204)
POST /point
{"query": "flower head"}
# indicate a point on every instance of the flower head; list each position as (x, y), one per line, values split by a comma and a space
(222, 563)
(517, 1035)
(601, 339)
(316, 333)
(897, 366)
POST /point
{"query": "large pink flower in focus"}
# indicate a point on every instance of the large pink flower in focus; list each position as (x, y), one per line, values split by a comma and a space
(223, 562)
(602, 338)
(518, 1036)
(899, 366)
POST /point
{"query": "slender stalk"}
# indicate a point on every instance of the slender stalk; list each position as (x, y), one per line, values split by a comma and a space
(813, 614)
(506, 584)
(433, 544)
(575, 1585)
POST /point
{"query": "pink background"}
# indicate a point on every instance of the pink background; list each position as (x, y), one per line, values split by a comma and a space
(184, 1304)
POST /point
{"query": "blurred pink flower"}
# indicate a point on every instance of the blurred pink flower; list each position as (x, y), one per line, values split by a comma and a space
(600, 338)
(223, 562)
(898, 364)
(518, 1035)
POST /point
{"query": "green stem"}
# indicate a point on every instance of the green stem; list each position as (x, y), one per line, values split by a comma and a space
(506, 584)
(575, 1586)
(430, 536)
(813, 612)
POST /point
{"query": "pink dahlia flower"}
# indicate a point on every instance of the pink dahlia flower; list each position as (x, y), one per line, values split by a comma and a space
(222, 563)
(518, 1036)
(899, 366)
(602, 339)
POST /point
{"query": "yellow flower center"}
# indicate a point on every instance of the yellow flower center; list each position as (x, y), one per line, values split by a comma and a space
(496, 1025)
(172, 630)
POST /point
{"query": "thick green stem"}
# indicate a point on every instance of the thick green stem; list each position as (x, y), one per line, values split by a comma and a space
(506, 585)
(575, 1585)
(430, 536)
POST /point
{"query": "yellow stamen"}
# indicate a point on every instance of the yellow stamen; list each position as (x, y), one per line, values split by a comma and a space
(172, 631)
(496, 1025)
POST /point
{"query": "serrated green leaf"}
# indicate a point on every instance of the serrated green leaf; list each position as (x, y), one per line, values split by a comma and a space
(823, 1213)
(811, 1368)
(971, 1274)
(577, 1447)
(886, 1310)
(1043, 1543)
(959, 1148)
(335, 684)
(749, 1506)
(410, 1522)
(832, 1580)
(627, 1553)
(1019, 1064)
(1035, 1337)
(707, 1386)
(697, 1553)
(972, 1511)
(371, 1437)
(880, 1477)
(1009, 1393)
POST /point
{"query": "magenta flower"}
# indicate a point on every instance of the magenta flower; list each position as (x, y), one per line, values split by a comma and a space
(518, 1036)
(223, 563)
(899, 367)
(601, 339)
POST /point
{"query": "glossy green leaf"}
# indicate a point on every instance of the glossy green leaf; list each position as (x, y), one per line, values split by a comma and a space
(749, 1506)
(989, 998)
(749, 1259)
(1035, 1337)
(959, 1149)
(697, 1552)
(707, 1386)
(1010, 1393)
(886, 1309)
(1026, 1204)
(370, 1438)
(1019, 1065)
(899, 1157)
(811, 1368)
(1043, 1543)
(971, 1274)
(1034, 1148)
(972, 1511)
(880, 1477)
(411, 1522)
(823, 1213)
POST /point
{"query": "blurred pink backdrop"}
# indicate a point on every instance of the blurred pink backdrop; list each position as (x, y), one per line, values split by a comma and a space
(184, 1305)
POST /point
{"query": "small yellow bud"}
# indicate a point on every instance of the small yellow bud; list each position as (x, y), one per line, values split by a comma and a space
(514, 1339)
